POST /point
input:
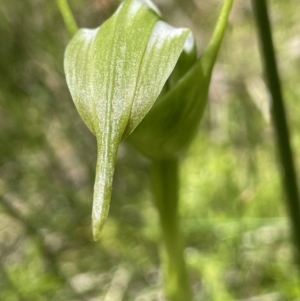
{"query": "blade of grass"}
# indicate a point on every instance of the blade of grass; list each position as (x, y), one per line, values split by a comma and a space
(279, 119)
(67, 16)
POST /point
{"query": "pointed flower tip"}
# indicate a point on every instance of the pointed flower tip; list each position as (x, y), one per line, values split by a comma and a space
(96, 236)
(97, 229)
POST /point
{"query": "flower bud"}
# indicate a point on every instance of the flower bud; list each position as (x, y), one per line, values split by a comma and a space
(115, 73)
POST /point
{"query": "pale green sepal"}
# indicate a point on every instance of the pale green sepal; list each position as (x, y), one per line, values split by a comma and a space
(164, 47)
(106, 158)
(115, 73)
(185, 62)
(171, 124)
(173, 121)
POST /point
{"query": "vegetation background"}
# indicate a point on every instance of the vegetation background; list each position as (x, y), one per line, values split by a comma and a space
(232, 209)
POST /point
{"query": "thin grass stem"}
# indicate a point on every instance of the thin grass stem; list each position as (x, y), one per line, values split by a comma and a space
(279, 119)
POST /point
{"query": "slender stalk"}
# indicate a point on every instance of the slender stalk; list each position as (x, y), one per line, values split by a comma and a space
(165, 185)
(67, 16)
(279, 119)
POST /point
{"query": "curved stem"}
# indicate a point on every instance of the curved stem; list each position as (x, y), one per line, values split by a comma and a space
(165, 185)
(279, 119)
(67, 16)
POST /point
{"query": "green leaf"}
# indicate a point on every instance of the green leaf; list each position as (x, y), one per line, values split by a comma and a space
(173, 121)
(115, 73)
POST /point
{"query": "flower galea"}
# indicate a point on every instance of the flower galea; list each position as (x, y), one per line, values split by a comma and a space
(115, 73)
(136, 76)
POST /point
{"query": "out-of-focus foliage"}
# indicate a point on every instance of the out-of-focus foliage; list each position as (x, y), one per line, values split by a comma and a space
(233, 219)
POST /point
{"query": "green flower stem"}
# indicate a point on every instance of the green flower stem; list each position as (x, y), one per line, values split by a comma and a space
(165, 185)
(279, 119)
(67, 16)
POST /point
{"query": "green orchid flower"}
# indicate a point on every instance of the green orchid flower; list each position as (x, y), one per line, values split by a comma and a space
(137, 75)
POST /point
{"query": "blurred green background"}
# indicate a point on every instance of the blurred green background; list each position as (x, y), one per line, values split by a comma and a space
(232, 206)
